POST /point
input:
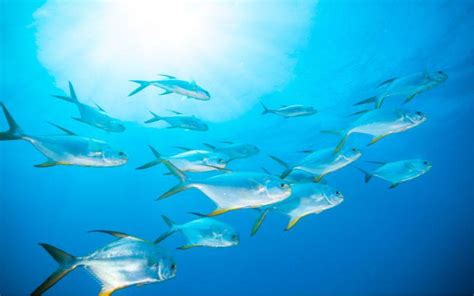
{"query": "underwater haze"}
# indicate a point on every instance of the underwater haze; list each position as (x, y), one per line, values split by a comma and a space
(416, 238)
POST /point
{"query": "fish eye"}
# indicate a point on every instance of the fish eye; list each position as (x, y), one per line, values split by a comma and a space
(338, 193)
(354, 150)
(235, 236)
(419, 113)
(173, 266)
(282, 185)
(425, 162)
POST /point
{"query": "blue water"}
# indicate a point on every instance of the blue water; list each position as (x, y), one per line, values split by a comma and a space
(415, 239)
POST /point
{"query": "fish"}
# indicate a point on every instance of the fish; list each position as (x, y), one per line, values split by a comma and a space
(398, 171)
(172, 84)
(66, 149)
(180, 121)
(319, 163)
(305, 199)
(127, 261)
(380, 123)
(235, 150)
(195, 161)
(234, 190)
(290, 111)
(202, 232)
(96, 117)
(408, 86)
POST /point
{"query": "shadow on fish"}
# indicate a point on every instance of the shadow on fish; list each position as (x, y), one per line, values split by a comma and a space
(66, 149)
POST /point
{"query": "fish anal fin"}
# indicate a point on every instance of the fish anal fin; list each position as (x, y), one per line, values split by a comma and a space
(410, 97)
(376, 139)
(393, 185)
(47, 164)
(186, 247)
(166, 92)
(109, 291)
(218, 212)
(318, 178)
(293, 222)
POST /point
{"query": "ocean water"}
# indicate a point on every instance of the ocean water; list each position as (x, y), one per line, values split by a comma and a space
(415, 239)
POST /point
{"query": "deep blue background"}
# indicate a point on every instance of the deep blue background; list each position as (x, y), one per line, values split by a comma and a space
(415, 239)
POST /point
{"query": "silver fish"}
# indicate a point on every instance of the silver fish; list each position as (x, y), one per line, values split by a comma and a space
(380, 123)
(68, 149)
(408, 86)
(180, 121)
(195, 161)
(203, 232)
(127, 261)
(399, 171)
(96, 117)
(173, 85)
(319, 163)
(291, 111)
(305, 199)
(233, 191)
(235, 150)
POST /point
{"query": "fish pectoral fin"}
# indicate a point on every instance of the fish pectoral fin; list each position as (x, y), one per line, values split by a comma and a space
(114, 233)
(217, 212)
(47, 164)
(166, 92)
(78, 119)
(186, 247)
(393, 185)
(376, 139)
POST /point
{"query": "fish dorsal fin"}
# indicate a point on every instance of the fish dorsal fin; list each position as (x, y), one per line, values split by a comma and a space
(387, 81)
(358, 113)
(167, 76)
(64, 129)
(198, 214)
(266, 171)
(183, 148)
(376, 162)
(99, 107)
(115, 233)
(175, 112)
(307, 151)
(209, 146)
(227, 142)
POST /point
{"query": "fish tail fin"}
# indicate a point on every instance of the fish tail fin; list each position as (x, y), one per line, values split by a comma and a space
(259, 222)
(183, 182)
(14, 131)
(72, 98)
(370, 100)
(344, 136)
(66, 262)
(155, 118)
(173, 228)
(152, 163)
(143, 84)
(265, 109)
(367, 174)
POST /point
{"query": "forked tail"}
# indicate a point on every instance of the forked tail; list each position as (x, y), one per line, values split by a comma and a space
(143, 84)
(72, 95)
(66, 262)
(14, 131)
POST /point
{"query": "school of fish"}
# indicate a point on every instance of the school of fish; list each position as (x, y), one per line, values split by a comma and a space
(300, 190)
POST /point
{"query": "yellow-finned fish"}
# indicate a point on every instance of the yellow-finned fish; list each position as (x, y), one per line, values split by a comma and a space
(306, 199)
(127, 261)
